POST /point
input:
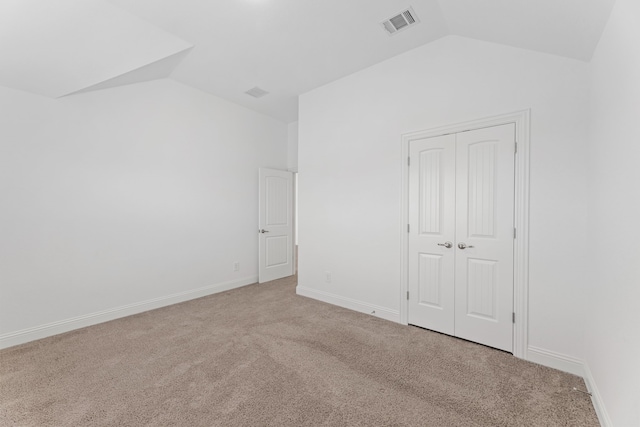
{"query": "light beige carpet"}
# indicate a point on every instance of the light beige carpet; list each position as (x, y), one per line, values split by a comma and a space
(262, 356)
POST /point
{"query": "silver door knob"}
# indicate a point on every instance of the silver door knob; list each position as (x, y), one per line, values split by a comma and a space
(464, 246)
(447, 245)
(262, 230)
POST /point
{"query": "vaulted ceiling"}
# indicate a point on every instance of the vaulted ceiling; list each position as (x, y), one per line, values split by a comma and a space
(287, 47)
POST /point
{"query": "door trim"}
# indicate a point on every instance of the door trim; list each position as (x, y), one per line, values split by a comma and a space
(521, 216)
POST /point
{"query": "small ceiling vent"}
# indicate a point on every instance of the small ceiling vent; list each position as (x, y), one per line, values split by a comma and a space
(256, 92)
(401, 21)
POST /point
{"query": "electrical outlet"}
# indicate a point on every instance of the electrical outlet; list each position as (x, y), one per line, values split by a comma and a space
(236, 266)
(327, 276)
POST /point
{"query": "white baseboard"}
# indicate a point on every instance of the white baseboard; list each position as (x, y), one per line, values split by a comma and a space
(351, 304)
(596, 398)
(61, 326)
(555, 360)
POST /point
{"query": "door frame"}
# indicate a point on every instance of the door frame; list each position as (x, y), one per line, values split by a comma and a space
(522, 120)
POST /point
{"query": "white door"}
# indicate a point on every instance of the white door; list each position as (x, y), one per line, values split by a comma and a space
(471, 281)
(432, 218)
(275, 225)
(484, 224)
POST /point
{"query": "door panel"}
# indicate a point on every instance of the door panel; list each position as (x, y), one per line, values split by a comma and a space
(275, 225)
(430, 284)
(484, 223)
(432, 214)
(277, 250)
(481, 288)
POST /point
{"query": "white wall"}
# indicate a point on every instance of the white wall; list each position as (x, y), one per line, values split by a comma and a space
(292, 146)
(613, 319)
(349, 161)
(120, 196)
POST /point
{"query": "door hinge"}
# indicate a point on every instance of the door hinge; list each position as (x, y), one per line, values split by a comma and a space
(513, 317)
(408, 228)
(408, 161)
(407, 295)
(516, 149)
(514, 232)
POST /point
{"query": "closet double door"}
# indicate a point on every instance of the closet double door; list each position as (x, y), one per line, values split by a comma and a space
(461, 234)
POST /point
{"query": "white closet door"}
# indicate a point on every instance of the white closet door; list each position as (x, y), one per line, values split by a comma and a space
(461, 197)
(485, 236)
(432, 221)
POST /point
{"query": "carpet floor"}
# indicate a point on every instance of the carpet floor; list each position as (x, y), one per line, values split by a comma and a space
(263, 356)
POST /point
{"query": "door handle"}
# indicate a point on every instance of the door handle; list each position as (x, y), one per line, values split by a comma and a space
(447, 245)
(262, 230)
(464, 246)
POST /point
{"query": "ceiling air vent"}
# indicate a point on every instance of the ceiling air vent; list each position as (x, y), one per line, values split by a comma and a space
(256, 92)
(401, 21)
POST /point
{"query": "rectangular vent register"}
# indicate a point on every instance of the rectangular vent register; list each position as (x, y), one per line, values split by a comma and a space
(401, 21)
